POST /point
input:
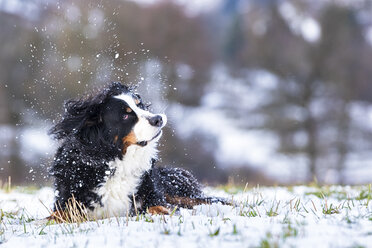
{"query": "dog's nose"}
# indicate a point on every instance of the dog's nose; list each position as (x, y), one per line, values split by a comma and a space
(156, 121)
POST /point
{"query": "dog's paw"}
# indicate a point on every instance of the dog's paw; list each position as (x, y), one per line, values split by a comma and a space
(158, 210)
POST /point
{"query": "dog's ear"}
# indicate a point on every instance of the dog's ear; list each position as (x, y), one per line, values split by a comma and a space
(83, 117)
(79, 117)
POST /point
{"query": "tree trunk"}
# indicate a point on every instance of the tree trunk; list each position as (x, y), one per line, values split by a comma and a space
(342, 141)
(311, 148)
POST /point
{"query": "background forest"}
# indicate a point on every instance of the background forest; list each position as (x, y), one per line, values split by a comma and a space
(258, 91)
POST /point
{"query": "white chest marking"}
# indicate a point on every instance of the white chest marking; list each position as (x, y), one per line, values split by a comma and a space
(117, 191)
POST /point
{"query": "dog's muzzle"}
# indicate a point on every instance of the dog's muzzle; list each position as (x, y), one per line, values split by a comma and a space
(145, 142)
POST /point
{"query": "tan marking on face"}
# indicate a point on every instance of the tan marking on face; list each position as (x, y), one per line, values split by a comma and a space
(128, 140)
(128, 110)
(116, 139)
(137, 101)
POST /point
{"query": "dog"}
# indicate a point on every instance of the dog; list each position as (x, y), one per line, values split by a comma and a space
(107, 158)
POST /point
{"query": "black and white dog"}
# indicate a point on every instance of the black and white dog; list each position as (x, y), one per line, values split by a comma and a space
(107, 158)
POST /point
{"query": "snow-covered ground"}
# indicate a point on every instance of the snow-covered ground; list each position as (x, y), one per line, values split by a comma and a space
(264, 217)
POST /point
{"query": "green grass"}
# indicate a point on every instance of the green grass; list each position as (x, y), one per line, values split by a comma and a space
(326, 192)
(289, 231)
(287, 222)
(232, 188)
(273, 211)
(331, 209)
(268, 242)
(365, 194)
(215, 233)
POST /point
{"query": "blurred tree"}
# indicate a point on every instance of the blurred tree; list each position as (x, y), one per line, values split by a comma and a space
(73, 47)
(345, 65)
(310, 108)
(88, 43)
(70, 47)
(235, 39)
(15, 37)
(288, 112)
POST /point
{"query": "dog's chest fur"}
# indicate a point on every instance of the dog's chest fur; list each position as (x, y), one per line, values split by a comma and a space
(118, 190)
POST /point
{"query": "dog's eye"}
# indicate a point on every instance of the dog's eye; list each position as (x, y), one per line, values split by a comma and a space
(125, 117)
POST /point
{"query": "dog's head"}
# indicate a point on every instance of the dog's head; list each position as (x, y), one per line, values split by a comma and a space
(116, 116)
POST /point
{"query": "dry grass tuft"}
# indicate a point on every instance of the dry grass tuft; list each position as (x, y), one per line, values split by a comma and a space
(74, 212)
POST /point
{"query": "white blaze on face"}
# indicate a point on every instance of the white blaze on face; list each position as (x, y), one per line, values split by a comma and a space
(143, 130)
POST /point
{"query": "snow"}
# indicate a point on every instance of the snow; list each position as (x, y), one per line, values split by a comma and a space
(74, 63)
(192, 7)
(73, 13)
(196, 6)
(276, 216)
(310, 29)
(369, 35)
(35, 143)
(300, 23)
(361, 113)
(28, 9)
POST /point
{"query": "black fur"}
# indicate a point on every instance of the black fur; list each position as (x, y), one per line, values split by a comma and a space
(91, 135)
(172, 187)
(160, 183)
(82, 160)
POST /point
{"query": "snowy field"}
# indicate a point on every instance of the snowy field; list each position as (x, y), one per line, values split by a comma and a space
(264, 217)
